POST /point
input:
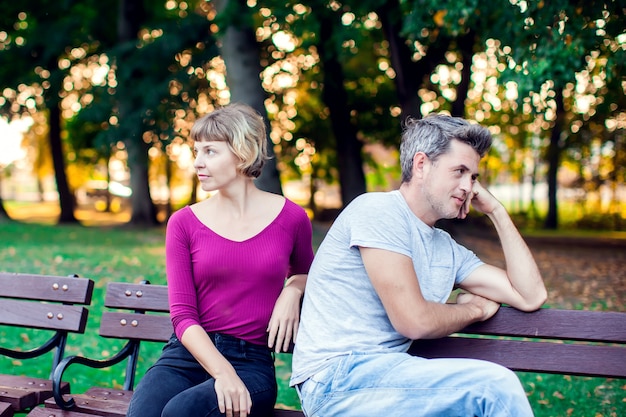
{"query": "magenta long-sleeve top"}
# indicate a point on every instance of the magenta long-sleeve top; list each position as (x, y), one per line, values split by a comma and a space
(231, 287)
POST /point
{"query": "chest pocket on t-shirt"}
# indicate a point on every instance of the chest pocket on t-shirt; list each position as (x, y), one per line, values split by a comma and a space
(436, 282)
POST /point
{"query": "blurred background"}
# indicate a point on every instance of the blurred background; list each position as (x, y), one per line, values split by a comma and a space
(97, 99)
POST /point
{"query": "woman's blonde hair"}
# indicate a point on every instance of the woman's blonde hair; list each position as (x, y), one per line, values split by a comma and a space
(242, 128)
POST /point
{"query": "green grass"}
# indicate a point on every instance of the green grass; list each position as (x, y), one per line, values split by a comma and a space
(119, 254)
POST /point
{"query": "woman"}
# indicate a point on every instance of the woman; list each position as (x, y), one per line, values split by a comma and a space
(236, 269)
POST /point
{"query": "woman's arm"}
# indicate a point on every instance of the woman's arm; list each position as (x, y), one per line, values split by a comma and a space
(232, 395)
(285, 319)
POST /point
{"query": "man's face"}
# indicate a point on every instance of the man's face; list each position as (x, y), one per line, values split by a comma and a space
(449, 180)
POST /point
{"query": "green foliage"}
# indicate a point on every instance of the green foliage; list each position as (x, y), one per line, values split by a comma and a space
(160, 74)
(551, 40)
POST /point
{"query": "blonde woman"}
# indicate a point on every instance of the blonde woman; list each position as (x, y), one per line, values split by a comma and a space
(237, 264)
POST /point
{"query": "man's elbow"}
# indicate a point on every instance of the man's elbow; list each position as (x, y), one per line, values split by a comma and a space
(534, 303)
(413, 330)
(414, 334)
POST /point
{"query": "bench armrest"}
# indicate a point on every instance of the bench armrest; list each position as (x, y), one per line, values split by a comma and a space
(130, 350)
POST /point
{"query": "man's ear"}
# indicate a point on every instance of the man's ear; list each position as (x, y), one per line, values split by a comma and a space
(419, 161)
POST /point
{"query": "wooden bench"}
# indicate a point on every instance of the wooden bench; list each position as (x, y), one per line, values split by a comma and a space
(42, 302)
(570, 342)
(135, 313)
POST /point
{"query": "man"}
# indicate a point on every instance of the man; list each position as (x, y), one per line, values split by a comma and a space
(382, 277)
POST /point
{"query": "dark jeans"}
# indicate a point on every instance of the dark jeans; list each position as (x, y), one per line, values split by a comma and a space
(177, 386)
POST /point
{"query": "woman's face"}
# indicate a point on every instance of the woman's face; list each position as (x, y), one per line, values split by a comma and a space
(215, 164)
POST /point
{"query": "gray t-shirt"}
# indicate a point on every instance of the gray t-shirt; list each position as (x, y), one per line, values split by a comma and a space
(341, 312)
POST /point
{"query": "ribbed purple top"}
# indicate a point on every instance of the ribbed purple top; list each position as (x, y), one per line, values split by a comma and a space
(231, 287)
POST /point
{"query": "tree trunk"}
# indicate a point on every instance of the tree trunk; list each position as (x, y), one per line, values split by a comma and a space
(553, 159)
(405, 80)
(349, 157)
(143, 208)
(107, 196)
(131, 14)
(240, 51)
(465, 47)
(66, 198)
(193, 198)
(3, 213)
(169, 168)
(409, 74)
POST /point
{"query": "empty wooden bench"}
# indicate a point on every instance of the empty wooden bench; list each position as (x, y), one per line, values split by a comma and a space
(42, 302)
(136, 313)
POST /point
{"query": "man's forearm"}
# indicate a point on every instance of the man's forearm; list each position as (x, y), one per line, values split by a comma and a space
(433, 320)
(521, 267)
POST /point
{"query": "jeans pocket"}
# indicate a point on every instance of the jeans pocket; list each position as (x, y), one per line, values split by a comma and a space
(317, 390)
(171, 342)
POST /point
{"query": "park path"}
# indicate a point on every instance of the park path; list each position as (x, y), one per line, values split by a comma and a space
(582, 273)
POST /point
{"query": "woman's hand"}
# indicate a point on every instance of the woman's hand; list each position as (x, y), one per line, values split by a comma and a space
(233, 397)
(283, 325)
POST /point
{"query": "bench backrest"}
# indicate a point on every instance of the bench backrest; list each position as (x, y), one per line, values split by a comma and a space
(575, 342)
(47, 302)
(572, 342)
(137, 323)
(139, 312)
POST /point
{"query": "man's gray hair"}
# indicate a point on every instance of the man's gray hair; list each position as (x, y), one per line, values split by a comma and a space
(433, 134)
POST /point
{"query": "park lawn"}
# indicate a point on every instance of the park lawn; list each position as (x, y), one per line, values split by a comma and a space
(124, 254)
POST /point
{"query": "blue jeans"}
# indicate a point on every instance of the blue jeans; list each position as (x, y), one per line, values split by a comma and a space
(398, 384)
(176, 385)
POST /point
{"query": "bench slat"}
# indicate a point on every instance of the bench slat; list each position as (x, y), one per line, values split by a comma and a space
(36, 315)
(533, 356)
(137, 296)
(17, 390)
(94, 404)
(46, 288)
(155, 328)
(596, 326)
(51, 412)
(6, 410)
(18, 398)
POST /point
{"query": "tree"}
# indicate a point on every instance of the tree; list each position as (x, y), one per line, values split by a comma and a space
(349, 148)
(33, 61)
(132, 16)
(546, 44)
(240, 51)
(157, 65)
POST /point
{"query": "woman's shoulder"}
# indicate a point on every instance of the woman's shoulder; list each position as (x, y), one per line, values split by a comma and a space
(294, 209)
(182, 216)
(182, 212)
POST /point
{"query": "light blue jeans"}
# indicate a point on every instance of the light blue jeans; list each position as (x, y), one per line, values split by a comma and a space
(398, 384)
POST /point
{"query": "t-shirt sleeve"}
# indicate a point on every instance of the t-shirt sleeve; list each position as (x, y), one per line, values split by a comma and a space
(373, 223)
(468, 263)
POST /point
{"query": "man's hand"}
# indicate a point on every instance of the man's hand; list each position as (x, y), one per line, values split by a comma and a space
(481, 199)
(488, 307)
